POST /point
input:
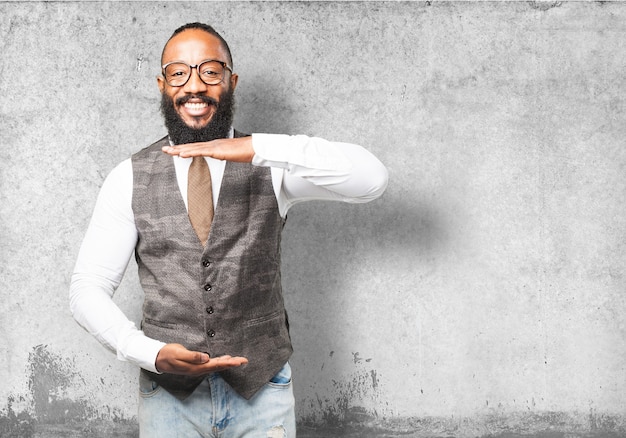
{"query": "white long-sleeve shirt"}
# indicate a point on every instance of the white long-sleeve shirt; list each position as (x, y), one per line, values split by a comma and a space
(302, 168)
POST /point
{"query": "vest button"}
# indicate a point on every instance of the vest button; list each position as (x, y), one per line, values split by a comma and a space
(208, 287)
(206, 263)
(209, 310)
(211, 333)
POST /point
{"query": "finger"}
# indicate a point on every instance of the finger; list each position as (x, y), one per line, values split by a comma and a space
(170, 150)
(188, 151)
(224, 362)
(214, 365)
(191, 357)
(183, 151)
(193, 150)
(230, 361)
(199, 358)
(182, 148)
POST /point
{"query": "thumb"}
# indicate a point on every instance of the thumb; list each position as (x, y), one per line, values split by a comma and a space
(198, 357)
(184, 355)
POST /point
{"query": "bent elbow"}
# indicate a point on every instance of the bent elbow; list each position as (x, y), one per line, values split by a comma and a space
(381, 181)
(378, 179)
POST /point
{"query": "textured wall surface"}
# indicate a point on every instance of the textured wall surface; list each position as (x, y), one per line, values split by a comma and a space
(482, 295)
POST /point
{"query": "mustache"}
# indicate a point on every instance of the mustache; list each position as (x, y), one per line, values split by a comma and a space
(206, 99)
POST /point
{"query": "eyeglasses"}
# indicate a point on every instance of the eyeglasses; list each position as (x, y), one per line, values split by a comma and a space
(211, 72)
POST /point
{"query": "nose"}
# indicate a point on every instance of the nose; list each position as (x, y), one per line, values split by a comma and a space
(195, 84)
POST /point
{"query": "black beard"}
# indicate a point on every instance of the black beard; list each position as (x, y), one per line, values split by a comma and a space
(218, 127)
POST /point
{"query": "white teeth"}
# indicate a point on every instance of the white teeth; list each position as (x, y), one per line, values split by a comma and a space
(195, 105)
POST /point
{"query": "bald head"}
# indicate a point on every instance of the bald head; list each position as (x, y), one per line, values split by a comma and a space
(206, 29)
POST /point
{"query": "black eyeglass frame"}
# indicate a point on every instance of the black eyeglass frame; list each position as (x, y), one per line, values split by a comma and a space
(191, 67)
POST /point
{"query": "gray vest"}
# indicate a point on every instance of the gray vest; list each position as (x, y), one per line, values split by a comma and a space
(222, 299)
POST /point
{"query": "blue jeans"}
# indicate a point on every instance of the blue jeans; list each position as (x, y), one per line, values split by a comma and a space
(215, 410)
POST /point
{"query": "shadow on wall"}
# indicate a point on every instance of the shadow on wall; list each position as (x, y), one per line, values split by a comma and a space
(330, 249)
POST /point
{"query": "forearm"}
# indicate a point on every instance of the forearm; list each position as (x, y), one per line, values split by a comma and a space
(315, 168)
(104, 254)
(93, 308)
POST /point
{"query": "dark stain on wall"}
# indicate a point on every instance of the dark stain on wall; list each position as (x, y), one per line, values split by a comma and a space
(516, 425)
(13, 424)
(350, 394)
(544, 5)
(345, 416)
(51, 377)
(51, 411)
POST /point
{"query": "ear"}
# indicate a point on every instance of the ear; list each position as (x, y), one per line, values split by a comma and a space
(161, 83)
(234, 78)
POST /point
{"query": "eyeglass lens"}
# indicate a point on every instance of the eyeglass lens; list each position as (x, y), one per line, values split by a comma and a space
(210, 72)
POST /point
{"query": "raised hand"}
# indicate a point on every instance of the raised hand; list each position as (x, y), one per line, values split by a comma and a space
(229, 149)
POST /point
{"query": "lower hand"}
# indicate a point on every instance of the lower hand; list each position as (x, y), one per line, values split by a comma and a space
(176, 359)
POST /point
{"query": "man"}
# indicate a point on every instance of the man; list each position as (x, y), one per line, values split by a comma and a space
(214, 343)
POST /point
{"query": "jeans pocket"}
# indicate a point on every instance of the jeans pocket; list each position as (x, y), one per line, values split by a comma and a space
(283, 378)
(147, 386)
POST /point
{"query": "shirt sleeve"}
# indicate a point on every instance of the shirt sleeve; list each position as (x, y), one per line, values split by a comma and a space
(309, 168)
(102, 260)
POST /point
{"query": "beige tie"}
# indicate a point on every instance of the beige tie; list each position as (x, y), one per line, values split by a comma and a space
(200, 198)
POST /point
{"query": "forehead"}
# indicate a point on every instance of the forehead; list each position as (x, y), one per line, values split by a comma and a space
(193, 46)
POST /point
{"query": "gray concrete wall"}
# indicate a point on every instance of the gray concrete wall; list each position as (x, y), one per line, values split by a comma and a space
(482, 295)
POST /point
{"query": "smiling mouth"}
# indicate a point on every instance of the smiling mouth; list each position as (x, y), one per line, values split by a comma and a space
(195, 106)
(197, 109)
